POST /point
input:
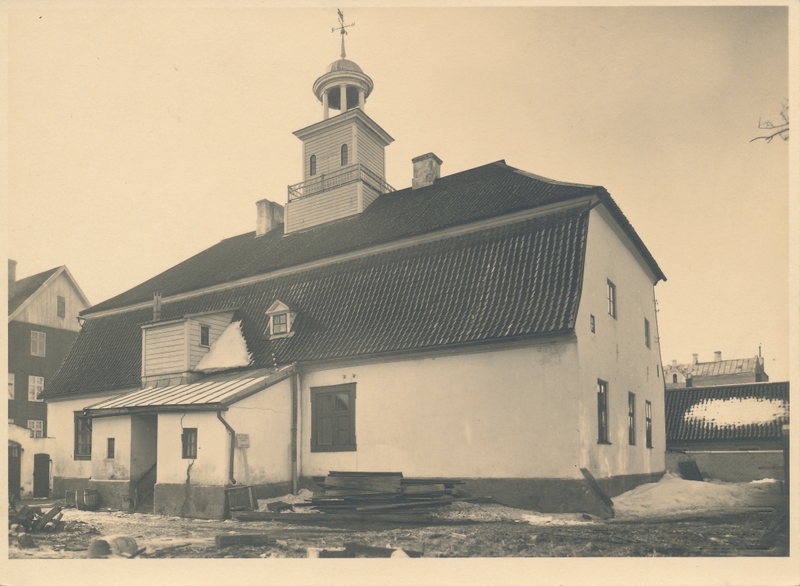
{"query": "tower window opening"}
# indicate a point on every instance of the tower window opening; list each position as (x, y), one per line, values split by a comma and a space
(312, 165)
(344, 155)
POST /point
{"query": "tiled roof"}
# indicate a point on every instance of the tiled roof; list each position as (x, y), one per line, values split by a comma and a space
(480, 193)
(727, 412)
(26, 287)
(209, 393)
(507, 282)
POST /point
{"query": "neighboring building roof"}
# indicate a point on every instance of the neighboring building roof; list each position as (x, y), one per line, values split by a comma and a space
(502, 283)
(24, 288)
(209, 394)
(483, 192)
(720, 367)
(727, 412)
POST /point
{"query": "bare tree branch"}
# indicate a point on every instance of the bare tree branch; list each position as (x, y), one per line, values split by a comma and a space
(781, 130)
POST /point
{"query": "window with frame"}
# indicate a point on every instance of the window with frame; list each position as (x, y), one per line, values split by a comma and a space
(344, 155)
(280, 323)
(10, 385)
(312, 165)
(612, 299)
(38, 343)
(602, 412)
(110, 448)
(646, 332)
(674, 379)
(648, 424)
(189, 443)
(632, 419)
(83, 437)
(61, 306)
(35, 386)
(36, 427)
(205, 335)
(333, 418)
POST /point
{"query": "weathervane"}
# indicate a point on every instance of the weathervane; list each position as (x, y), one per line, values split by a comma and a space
(342, 26)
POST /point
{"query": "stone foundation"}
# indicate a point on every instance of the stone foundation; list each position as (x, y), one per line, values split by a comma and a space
(190, 500)
(114, 494)
(732, 466)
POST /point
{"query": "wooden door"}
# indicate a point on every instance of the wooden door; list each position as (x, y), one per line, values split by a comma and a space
(14, 476)
(41, 475)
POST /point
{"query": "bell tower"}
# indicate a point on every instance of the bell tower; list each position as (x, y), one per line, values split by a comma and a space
(343, 155)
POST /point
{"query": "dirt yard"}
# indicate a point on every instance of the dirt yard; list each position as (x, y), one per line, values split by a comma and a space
(743, 519)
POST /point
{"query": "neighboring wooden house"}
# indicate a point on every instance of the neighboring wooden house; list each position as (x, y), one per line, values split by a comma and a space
(491, 325)
(42, 312)
(716, 372)
(734, 432)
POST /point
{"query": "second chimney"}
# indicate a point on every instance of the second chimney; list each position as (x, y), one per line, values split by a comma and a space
(694, 358)
(156, 306)
(269, 215)
(717, 356)
(426, 170)
(12, 277)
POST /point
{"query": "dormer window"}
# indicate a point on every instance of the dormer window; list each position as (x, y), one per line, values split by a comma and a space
(281, 319)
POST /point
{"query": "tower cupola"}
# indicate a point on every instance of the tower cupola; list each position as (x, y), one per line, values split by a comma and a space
(344, 85)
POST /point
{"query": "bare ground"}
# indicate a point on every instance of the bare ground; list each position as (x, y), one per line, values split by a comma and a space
(485, 532)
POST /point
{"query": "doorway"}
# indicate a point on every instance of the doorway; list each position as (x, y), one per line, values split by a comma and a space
(41, 475)
(14, 469)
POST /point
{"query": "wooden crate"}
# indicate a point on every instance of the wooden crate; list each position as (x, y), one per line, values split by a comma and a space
(241, 498)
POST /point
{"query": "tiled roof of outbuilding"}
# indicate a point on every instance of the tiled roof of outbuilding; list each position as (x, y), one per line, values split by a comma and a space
(727, 412)
(499, 283)
(26, 287)
(480, 193)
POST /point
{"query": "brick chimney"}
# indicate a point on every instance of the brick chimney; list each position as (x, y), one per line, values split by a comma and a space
(156, 306)
(426, 170)
(12, 277)
(269, 215)
(674, 364)
(694, 358)
(718, 356)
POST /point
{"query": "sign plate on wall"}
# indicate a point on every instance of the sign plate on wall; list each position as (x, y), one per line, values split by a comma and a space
(242, 440)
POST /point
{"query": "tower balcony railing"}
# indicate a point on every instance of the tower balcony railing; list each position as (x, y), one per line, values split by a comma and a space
(342, 176)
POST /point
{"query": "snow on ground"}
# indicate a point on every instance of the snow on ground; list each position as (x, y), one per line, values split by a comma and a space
(672, 495)
(737, 411)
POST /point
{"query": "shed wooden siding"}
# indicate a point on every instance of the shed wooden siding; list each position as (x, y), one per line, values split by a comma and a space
(327, 147)
(324, 207)
(43, 309)
(164, 349)
(368, 195)
(370, 153)
(216, 322)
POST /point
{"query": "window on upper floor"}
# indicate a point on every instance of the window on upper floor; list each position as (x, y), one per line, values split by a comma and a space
(612, 299)
(35, 387)
(646, 332)
(632, 419)
(10, 385)
(36, 427)
(674, 378)
(602, 412)
(189, 443)
(648, 424)
(344, 155)
(281, 321)
(61, 306)
(312, 165)
(38, 343)
(83, 437)
(110, 447)
(333, 418)
(205, 335)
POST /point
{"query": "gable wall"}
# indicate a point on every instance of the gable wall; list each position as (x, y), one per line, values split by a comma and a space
(617, 354)
(42, 310)
(496, 414)
(216, 322)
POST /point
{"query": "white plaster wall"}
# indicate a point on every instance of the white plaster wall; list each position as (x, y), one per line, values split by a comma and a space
(211, 465)
(617, 354)
(498, 414)
(118, 467)
(61, 427)
(30, 446)
(267, 418)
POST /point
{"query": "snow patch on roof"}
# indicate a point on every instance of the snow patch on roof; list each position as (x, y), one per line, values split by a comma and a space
(737, 411)
(227, 351)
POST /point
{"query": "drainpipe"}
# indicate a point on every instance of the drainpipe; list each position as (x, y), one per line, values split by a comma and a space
(295, 413)
(232, 433)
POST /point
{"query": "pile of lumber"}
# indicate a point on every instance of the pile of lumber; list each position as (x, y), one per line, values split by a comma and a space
(30, 519)
(381, 491)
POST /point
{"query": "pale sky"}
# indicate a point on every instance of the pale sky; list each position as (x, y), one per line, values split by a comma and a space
(141, 136)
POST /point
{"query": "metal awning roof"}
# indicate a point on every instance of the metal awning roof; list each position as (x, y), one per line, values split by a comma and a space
(210, 394)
